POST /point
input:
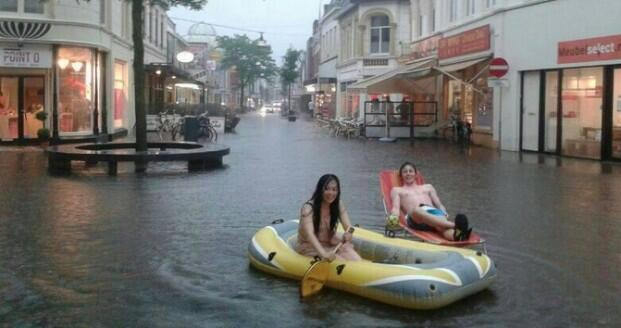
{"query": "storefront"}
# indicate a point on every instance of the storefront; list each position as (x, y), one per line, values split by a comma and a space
(25, 84)
(69, 92)
(575, 111)
(464, 62)
(324, 96)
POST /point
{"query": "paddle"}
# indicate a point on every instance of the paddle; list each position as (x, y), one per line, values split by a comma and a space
(316, 276)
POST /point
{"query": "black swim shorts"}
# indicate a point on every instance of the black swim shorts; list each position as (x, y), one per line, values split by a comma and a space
(417, 226)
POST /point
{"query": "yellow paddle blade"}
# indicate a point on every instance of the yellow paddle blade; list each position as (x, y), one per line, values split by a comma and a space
(314, 278)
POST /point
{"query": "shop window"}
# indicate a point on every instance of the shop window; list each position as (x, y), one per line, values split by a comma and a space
(582, 112)
(551, 111)
(33, 6)
(8, 5)
(380, 34)
(76, 73)
(120, 93)
(8, 107)
(616, 115)
(485, 108)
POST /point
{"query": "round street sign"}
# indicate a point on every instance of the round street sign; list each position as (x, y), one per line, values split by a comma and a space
(498, 67)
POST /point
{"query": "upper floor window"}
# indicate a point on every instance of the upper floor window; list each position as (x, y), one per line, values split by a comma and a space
(470, 7)
(490, 3)
(25, 6)
(433, 19)
(8, 5)
(380, 34)
(452, 10)
(33, 6)
(102, 11)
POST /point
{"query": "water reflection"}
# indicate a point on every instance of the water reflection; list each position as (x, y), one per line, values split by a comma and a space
(169, 248)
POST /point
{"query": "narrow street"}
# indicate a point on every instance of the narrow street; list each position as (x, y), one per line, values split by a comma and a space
(169, 248)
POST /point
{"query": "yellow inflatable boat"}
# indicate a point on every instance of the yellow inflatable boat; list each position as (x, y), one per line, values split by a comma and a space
(400, 272)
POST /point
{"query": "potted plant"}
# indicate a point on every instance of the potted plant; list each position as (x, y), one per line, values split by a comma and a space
(43, 133)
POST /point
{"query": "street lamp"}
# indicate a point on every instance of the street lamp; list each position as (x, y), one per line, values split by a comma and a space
(261, 42)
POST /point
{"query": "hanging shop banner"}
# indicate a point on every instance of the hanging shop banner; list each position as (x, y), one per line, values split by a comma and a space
(421, 49)
(28, 56)
(475, 40)
(587, 50)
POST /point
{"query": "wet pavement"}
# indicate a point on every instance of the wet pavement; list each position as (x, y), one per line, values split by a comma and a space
(168, 249)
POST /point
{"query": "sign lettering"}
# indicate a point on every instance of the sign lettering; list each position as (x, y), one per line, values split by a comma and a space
(586, 50)
(26, 57)
(468, 42)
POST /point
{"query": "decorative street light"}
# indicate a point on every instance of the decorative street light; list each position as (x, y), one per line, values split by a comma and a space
(261, 42)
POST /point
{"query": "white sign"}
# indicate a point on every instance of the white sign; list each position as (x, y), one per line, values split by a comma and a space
(185, 57)
(498, 83)
(218, 123)
(26, 57)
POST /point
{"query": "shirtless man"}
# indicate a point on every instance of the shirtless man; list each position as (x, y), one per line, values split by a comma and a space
(416, 201)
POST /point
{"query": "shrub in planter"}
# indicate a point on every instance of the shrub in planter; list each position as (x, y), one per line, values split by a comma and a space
(43, 134)
(41, 116)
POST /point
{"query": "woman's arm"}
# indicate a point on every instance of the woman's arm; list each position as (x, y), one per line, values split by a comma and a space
(306, 220)
(345, 222)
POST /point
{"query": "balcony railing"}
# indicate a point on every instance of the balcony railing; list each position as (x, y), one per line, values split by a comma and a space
(375, 62)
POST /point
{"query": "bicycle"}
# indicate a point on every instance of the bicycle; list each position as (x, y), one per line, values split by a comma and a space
(206, 131)
(167, 124)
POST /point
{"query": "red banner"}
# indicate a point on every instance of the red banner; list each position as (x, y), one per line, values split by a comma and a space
(464, 43)
(586, 50)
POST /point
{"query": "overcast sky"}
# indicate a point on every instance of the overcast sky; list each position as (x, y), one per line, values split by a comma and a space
(284, 22)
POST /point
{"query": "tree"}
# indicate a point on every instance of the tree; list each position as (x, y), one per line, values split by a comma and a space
(138, 65)
(250, 60)
(289, 71)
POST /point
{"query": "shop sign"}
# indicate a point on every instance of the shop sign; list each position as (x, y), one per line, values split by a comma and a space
(422, 49)
(587, 50)
(468, 42)
(26, 57)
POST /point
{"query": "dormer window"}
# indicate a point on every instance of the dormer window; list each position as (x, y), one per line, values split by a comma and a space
(380, 34)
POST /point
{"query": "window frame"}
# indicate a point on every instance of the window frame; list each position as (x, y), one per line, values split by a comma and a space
(20, 8)
(452, 11)
(380, 29)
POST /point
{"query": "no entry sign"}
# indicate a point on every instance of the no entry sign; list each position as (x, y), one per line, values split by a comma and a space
(498, 67)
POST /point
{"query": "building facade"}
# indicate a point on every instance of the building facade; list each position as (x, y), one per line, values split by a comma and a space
(370, 36)
(71, 60)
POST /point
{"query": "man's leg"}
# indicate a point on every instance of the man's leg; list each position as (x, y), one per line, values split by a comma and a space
(438, 222)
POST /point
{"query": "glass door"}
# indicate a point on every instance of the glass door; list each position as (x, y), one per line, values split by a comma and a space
(530, 111)
(551, 111)
(9, 107)
(582, 112)
(33, 102)
(616, 115)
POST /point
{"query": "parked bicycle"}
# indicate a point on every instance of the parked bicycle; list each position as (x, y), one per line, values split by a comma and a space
(206, 131)
(172, 125)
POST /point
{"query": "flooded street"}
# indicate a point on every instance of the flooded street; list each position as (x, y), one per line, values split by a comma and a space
(169, 248)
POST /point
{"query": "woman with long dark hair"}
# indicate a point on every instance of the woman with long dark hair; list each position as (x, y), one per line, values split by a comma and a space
(318, 219)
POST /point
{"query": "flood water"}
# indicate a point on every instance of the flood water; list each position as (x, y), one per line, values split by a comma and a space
(168, 249)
